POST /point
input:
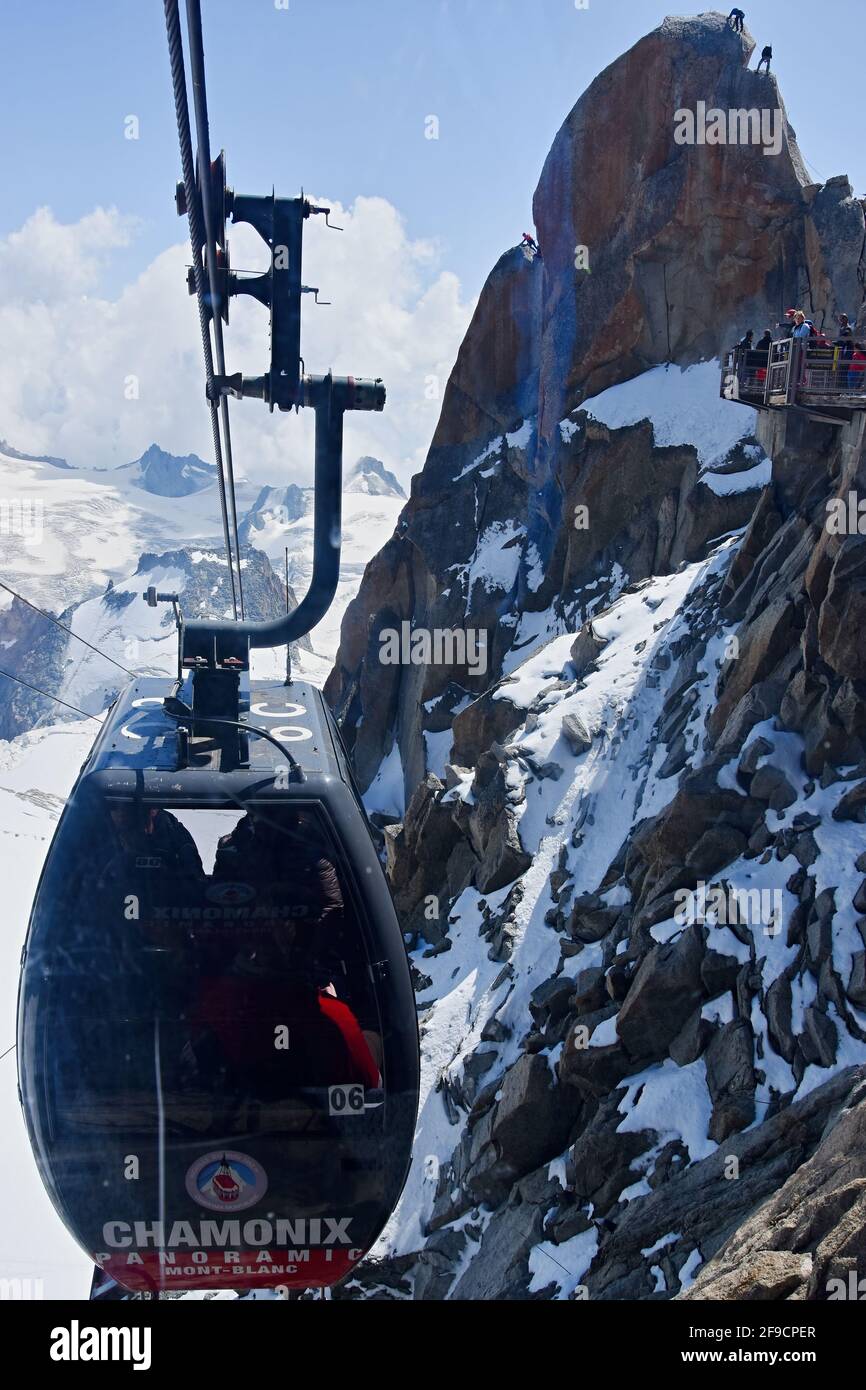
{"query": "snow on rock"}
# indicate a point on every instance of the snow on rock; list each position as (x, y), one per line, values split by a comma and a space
(496, 560)
(663, 636)
(724, 484)
(563, 1265)
(674, 1102)
(385, 793)
(683, 406)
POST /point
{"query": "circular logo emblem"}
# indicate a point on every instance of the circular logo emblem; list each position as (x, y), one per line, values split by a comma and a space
(226, 1180)
(229, 894)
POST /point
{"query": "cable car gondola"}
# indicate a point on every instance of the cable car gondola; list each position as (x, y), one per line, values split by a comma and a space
(217, 1037)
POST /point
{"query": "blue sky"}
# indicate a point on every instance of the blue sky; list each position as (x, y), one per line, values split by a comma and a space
(333, 94)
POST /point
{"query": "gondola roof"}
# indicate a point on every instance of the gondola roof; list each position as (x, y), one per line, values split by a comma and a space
(139, 734)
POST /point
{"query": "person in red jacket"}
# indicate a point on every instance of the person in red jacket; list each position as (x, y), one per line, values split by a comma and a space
(857, 369)
(274, 1034)
(285, 999)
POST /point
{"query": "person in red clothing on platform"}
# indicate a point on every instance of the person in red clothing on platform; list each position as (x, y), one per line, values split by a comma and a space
(857, 369)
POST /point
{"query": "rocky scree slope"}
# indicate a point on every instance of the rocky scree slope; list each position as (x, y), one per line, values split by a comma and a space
(675, 697)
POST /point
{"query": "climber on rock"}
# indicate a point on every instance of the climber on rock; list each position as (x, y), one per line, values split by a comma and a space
(735, 19)
(766, 55)
(531, 243)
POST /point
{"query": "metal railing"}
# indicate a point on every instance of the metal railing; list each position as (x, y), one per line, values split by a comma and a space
(796, 371)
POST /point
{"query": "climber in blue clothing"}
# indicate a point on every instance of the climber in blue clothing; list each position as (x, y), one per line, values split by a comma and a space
(766, 55)
(735, 19)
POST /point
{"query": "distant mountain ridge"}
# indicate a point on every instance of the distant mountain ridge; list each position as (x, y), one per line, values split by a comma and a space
(371, 476)
(274, 507)
(164, 474)
(11, 452)
(102, 521)
(170, 475)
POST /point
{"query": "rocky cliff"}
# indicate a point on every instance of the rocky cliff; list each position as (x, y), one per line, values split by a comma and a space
(687, 246)
(627, 844)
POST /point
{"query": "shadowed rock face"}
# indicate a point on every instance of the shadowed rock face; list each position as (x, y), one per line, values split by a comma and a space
(808, 1241)
(495, 378)
(34, 650)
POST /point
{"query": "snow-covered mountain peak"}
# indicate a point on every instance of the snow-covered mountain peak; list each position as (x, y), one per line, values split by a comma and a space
(370, 476)
(168, 475)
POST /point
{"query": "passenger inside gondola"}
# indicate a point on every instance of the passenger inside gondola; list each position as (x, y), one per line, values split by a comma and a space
(143, 862)
(154, 839)
(257, 970)
(290, 1001)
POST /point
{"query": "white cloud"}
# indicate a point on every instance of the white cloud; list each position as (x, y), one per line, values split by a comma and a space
(69, 352)
(47, 261)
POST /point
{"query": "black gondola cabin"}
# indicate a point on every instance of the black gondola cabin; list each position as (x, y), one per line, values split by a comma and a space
(218, 1052)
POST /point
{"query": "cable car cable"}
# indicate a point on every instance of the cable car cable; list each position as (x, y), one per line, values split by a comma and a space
(178, 77)
(55, 698)
(64, 628)
(202, 126)
(196, 242)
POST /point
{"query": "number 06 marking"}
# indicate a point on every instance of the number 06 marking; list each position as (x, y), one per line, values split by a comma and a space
(346, 1100)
